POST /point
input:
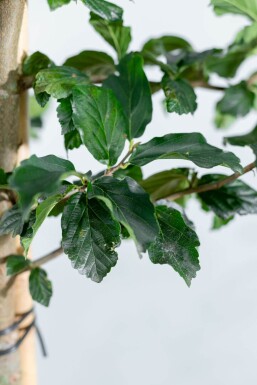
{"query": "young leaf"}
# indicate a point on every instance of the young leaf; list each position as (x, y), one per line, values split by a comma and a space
(90, 236)
(218, 222)
(35, 63)
(242, 7)
(11, 222)
(130, 205)
(99, 118)
(115, 33)
(165, 183)
(237, 101)
(132, 89)
(53, 4)
(176, 244)
(40, 287)
(234, 198)
(16, 263)
(58, 81)
(39, 175)
(191, 146)
(104, 9)
(249, 139)
(95, 64)
(180, 96)
(42, 211)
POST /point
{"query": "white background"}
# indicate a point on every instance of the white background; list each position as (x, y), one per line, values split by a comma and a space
(142, 325)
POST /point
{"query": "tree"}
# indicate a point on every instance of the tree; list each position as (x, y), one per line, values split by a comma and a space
(105, 104)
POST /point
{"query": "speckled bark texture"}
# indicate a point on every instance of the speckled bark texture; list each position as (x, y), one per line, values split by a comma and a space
(13, 147)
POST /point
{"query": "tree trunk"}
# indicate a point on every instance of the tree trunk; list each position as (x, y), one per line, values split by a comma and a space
(19, 367)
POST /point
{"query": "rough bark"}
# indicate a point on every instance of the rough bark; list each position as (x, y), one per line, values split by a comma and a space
(13, 148)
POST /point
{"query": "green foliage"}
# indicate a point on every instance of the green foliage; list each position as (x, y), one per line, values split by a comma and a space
(40, 287)
(180, 96)
(176, 244)
(130, 205)
(16, 264)
(39, 175)
(90, 236)
(192, 147)
(234, 198)
(99, 118)
(132, 89)
(105, 103)
(115, 33)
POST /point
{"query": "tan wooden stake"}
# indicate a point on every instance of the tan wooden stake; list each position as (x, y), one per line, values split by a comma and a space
(20, 367)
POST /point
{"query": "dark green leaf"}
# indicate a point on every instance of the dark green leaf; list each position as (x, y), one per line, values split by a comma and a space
(42, 211)
(96, 65)
(53, 4)
(16, 263)
(180, 96)
(99, 118)
(115, 33)
(234, 198)
(165, 183)
(64, 113)
(163, 45)
(58, 81)
(133, 172)
(130, 205)
(40, 287)
(104, 9)
(249, 139)
(35, 63)
(72, 140)
(176, 244)
(90, 236)
(132, 89)
(39, 175)
(3, 178)
(237, 101)
(12, 222)
(191, 146)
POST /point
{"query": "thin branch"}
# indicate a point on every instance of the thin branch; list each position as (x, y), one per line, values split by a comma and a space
(112, 170)
(212, 186)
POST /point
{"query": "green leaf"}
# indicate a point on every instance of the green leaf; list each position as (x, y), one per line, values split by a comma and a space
(40, 287)
(53, 4)
(165, 183)
(58, 81)
(99, 118)
(223, 120)
(237, 101)
(242, 7)
(130, 205)
(218, 222)
(180, 96)
(90, 236)
(104, 9)
(3, 177)
(163, 45)
(42, 211)
(234, 198)
(191, 147)
(95, 64)
(176, 244)
(15, 264)
(249, 139)
(115, 33)
(35, 63)
(39, 175)
(72, 140)
(11, 222)
(133, 172)
(64, 113)
(132, 89)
